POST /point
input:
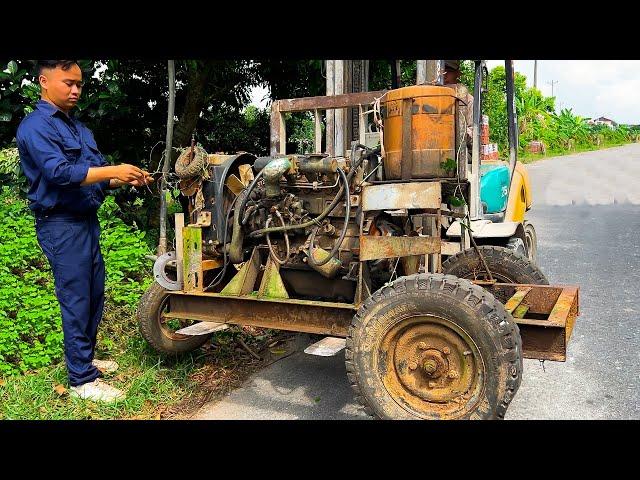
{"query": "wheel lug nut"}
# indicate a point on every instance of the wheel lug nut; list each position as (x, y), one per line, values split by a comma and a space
(413, 365)
(422, 346)
(430, 366)
(446, 350)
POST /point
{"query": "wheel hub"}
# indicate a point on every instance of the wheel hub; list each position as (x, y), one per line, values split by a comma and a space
(432, 365)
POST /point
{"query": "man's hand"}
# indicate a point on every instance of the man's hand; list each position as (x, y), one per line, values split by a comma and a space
(131, 174)
(118, 175)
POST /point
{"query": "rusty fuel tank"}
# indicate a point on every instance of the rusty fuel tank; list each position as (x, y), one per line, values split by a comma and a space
(419, 132)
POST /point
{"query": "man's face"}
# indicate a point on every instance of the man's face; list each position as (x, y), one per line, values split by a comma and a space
(62, 87)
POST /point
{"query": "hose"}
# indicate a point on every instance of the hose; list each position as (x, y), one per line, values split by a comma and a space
(250, 188)
(336, 245)
(326, 211)
(286, 241)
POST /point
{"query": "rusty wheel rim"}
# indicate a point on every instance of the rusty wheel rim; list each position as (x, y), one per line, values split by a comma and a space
(165, 323)
(431, 367)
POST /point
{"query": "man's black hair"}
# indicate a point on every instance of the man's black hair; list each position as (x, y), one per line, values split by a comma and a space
(64, 64)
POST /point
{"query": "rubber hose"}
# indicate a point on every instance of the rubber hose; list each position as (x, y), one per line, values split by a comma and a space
(250, 188)
(320, 217)
(337, 244)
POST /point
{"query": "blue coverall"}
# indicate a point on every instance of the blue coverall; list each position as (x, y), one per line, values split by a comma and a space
(56, 151)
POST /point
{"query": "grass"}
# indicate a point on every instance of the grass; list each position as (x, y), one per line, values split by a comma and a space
(156, 386)
(534, 157)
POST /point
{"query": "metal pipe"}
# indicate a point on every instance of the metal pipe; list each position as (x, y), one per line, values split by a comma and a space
(272, 174)
(330, 113)
(474, 209)
(512, 119)
(421, 72)
(162, 242)
(339, 113)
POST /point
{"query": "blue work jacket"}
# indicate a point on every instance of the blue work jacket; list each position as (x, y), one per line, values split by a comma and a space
(56, 151)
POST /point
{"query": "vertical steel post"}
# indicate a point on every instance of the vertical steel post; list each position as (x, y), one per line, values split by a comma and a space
(421, 72)
(512, 120)
(162, 242)
(330, 113)
(475, 211)
(339, 113)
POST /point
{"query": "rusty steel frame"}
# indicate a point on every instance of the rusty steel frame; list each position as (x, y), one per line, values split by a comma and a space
(549, 314)
(325, 318)
(545, 329)
(278, 134)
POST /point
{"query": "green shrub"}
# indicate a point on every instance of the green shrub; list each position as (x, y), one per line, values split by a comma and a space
(30, 322)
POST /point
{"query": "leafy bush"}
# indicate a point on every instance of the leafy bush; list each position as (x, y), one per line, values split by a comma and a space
(30, 322)
(10, 171)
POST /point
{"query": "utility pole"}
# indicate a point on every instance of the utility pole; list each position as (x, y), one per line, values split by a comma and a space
(535, 74)
(552, 83)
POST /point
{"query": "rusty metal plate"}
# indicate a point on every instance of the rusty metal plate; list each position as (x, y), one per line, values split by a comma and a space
(372, 248)
(396, 196)
(200, 328)
(326, 318)
(327, 347)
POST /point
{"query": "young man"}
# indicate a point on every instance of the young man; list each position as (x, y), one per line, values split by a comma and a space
(68, 177)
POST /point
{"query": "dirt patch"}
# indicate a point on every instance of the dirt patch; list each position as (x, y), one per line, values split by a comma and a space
(229, 361)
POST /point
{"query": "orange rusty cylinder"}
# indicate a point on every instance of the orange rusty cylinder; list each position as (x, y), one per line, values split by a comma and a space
(430, 122)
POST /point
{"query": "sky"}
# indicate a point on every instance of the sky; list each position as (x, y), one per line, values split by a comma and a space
(591, 88)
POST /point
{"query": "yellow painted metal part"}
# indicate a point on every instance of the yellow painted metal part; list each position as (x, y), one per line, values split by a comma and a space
(520, 198)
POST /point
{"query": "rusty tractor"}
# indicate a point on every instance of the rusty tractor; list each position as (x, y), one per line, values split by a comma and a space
(354, 247)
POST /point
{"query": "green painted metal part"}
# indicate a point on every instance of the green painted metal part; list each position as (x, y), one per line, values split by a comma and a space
(192, 257)
(272, 285)
(520, 311)
(243, 281)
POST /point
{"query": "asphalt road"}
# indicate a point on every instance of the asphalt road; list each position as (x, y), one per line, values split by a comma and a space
(587, 216)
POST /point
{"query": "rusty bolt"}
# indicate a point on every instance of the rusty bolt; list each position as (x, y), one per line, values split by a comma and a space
(432, 384)
(453, 374)
(446, 350)
(413, 365)
(422, 346)
(430, 366)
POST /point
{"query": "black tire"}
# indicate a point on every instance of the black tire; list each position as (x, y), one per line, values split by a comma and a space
(456, 311)
(531, 242)
(187, 167)
(159, 337)
(506, 266)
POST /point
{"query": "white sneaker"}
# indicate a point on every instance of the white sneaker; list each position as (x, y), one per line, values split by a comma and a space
(105, 366)
(97, 390)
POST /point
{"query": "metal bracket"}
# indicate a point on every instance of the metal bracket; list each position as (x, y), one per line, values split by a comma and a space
(203, 220)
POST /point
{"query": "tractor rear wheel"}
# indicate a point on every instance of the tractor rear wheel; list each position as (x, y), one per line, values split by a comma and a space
(433, 346)
(159, 330)
(531, 242)
(505, 265)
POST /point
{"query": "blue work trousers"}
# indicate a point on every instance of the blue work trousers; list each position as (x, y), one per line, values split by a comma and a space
(71, 244)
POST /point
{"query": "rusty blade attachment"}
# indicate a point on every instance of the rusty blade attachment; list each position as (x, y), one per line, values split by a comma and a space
(545, 314)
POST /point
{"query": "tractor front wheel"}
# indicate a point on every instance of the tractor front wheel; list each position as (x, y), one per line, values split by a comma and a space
(433, 346)
(160, 330)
